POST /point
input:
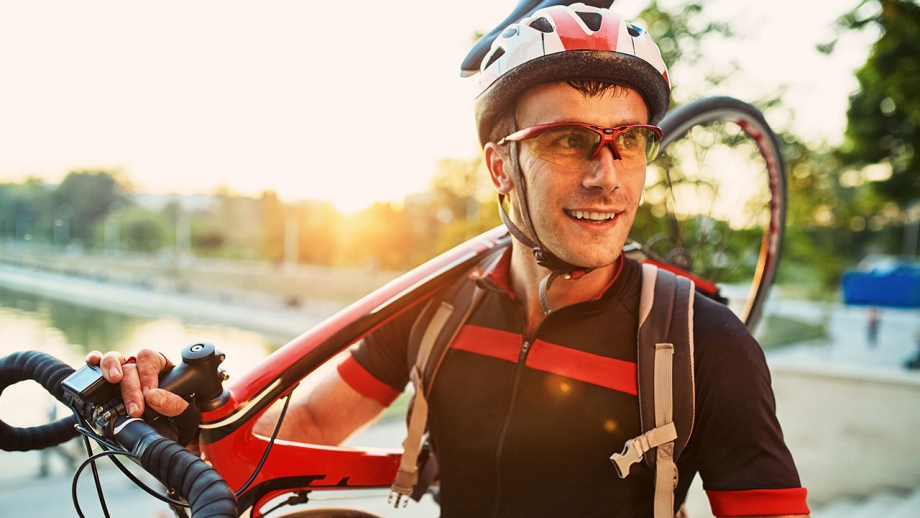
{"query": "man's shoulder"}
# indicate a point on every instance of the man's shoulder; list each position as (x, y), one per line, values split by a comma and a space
(721, 340)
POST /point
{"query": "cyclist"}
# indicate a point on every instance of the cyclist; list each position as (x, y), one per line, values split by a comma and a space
(539, 387)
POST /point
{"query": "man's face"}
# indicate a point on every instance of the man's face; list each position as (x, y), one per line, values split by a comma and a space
(583, 214)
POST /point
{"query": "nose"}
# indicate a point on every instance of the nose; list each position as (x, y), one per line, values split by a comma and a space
(604, 171)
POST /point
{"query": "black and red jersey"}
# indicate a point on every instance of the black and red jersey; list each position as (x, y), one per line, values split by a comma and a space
(525, 425)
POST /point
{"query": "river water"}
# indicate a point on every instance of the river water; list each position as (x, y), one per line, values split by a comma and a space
(39, 483)
(68, 331)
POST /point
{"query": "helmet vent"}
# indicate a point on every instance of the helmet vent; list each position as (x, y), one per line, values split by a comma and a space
(499, 52)
(633, 31)
(592, 20)
(542, 25)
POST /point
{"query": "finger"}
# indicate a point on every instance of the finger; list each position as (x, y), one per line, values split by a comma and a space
(166, 402)
(131, 390)
(149, 365)
(93, 358)
(111, 366)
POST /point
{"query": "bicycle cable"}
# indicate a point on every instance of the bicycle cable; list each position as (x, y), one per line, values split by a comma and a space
(73, 490)
(111, 450)
(271, 442)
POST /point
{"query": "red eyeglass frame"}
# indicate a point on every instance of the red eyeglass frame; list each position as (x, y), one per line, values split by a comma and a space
(608, 135)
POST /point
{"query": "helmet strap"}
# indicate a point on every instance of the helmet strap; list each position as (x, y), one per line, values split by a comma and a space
(544, 257)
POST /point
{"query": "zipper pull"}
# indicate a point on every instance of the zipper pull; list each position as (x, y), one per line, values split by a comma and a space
(524, 349)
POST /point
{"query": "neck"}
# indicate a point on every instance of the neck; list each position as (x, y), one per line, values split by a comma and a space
(526, 276)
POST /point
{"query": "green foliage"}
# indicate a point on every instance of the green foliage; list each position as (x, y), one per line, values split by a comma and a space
(884, 115)
(777, 331)
(464, 204)
(88, 197)
(143, 230)
(681, 34)
(26, 210)
(380, 236)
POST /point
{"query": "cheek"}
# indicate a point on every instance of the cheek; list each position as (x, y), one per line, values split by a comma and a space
(636, 186)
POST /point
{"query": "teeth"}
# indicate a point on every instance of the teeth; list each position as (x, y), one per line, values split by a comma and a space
(594, 216)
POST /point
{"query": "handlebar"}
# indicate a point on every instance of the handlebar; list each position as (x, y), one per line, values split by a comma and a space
(48, 372)
(197, 377)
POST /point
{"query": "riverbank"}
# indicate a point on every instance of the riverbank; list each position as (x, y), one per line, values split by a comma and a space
(255, 311)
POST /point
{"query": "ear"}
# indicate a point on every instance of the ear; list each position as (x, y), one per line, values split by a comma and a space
(499, 164)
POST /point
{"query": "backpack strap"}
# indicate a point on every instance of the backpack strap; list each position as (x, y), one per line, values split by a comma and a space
(666, 385)
(445, 316)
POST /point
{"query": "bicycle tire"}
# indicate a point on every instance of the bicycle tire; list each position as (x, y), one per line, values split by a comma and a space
(714, 203)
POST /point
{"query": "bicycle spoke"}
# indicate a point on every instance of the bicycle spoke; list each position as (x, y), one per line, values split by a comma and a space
(714, 200)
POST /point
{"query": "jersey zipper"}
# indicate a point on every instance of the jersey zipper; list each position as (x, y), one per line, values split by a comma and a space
(522, 357)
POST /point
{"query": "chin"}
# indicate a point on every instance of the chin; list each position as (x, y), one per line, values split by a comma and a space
(591, 259)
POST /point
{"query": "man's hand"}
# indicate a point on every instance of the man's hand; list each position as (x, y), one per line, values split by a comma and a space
(139, 381)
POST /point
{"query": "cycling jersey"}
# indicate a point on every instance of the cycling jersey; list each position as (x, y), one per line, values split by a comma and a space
(525, 425)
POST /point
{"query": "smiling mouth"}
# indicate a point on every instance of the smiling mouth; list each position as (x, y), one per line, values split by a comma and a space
(593, 217)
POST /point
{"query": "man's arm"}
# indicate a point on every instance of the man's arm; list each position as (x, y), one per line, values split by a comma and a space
(328, 415)
(331, 412)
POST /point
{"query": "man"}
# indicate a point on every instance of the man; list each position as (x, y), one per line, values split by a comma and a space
(522, 419)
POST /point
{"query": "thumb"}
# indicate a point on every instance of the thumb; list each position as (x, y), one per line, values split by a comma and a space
(165, 402)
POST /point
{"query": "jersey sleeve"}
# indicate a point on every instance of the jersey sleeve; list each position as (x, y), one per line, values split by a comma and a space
(737, 441)
(377, 367)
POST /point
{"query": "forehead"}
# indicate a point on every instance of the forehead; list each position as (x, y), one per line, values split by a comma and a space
(560, 102)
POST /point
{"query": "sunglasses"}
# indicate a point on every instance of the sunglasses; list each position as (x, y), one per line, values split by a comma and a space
(573, 144)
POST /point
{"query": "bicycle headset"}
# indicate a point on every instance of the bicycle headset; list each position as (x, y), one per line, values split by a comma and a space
(563, 43)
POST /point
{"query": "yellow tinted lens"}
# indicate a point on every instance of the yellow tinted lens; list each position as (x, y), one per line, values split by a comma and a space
(637, 146)
(565, 145)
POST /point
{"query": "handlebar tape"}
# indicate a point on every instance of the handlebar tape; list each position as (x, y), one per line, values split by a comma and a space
(48, 371)
(207, 493)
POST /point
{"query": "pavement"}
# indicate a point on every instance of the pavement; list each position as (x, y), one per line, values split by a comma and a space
(848, 408)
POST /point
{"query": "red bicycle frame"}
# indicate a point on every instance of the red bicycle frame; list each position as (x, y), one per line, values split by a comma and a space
(227, 439)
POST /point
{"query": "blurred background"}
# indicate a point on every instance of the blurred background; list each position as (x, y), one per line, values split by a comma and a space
(236, 172)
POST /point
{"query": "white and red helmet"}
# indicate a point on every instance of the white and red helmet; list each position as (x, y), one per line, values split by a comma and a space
(561, 43)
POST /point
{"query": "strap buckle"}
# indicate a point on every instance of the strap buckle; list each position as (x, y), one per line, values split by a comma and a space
(636, 447)
(632, 453)
(399, 495)
(401, 490)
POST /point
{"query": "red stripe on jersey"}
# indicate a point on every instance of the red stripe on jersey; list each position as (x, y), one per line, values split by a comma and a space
(606, 372)
(364, 383)
(754, 502)
(574, 37)
(543, 356)
(488, 342)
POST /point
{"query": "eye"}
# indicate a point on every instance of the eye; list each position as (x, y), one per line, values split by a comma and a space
(570, 139)
(631, 139)
(575, 141)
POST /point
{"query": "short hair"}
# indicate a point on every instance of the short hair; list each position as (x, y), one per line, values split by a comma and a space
(505, 123)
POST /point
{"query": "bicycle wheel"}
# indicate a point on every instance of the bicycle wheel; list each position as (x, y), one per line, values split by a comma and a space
(715, 201)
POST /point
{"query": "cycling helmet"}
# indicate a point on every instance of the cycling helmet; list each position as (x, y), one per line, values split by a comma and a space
(562, 43)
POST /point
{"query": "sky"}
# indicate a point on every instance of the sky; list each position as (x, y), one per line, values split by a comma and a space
(348, 102)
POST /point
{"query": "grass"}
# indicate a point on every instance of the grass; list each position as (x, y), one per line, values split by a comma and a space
(779, 331)
(399, 408)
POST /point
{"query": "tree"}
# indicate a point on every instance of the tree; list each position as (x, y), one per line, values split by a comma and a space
(680, 34)
(463, 205)
(884, 115)
(379, 236)
(26, 210)
(143, 230)
(89, 197)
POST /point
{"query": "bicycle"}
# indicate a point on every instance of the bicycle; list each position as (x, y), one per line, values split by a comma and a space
(699, 220)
